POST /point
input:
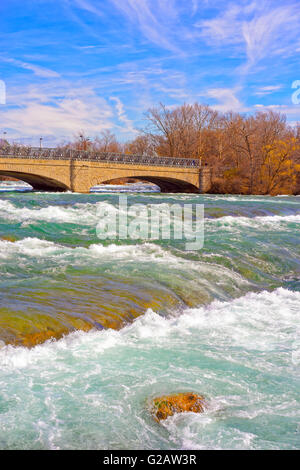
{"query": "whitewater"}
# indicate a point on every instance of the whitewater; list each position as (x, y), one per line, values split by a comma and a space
(91, 330)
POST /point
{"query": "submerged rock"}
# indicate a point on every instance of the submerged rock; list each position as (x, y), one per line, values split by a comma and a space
(168, 405)
(8, 238)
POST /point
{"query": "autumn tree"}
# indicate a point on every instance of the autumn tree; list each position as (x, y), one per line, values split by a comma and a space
(247, 154)
(278, 171)
(182, 131)
(141, 145)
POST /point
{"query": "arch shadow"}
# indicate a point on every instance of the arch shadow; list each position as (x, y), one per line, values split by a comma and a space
(166, 185)
(39, 183)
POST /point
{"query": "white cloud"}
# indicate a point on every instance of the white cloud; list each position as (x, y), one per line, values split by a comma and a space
(56, 114)
(267, 90)
(293, 111)
(227, 101)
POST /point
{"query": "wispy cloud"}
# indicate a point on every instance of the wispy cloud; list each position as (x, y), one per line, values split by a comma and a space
(152, 17)
(257, 29)
(60, 69)
(267, 90)
(262, 33)
(36, 69)
(159, 21)
(123, 117)
(90, 6)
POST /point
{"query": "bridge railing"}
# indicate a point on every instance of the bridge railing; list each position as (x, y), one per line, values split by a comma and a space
(82, 155)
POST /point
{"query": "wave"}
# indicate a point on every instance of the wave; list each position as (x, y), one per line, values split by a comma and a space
(86, 214)
(145, 252)
(260, 222)
(242, 355)
(255, 321)
(252, 198)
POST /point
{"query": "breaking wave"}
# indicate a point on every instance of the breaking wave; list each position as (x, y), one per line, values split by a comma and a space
(242, 355)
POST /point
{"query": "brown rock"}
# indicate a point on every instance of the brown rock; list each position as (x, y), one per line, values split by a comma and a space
(8, 238)
(168, 405)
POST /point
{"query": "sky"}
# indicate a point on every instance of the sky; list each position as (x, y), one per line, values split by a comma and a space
(84, 66)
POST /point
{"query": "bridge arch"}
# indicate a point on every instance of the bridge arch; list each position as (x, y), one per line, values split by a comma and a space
(55, 170)
(166, 184)
(38, 182)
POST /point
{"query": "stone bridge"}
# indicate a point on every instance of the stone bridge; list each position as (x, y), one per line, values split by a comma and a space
(78, 171)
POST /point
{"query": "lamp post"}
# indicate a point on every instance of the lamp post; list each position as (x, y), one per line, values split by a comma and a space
(81, 140)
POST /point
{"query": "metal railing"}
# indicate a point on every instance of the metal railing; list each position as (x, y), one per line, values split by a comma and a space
(83, 155)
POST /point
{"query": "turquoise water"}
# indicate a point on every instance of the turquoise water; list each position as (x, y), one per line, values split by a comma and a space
(138, 319)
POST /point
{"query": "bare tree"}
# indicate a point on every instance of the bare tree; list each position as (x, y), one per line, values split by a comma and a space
(107, 142)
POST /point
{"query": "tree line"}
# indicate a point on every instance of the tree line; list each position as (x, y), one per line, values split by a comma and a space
(247, 154)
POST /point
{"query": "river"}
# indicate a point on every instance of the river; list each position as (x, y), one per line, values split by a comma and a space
(91, 330)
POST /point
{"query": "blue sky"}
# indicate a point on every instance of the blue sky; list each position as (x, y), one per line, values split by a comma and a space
(75, 66)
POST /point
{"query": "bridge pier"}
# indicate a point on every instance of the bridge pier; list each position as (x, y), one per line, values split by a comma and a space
(204, 180)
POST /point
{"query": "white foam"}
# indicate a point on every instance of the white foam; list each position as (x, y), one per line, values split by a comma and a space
(255, 320)
(268, 222)
(50, 214)
(237, 353)
(87, 214)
